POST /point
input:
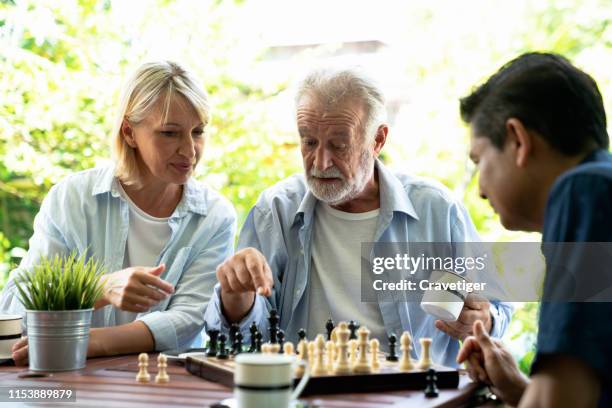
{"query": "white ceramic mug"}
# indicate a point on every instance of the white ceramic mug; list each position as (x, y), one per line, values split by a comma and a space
(10, 333)
(266, 380)
(444, 304)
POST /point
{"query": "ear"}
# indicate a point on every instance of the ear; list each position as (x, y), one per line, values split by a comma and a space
(127, 131)
(380, 139)
(520, 140)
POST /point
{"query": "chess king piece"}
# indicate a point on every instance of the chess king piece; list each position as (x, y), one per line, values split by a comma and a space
(162, 375)
(342, 365)
(392, 356)
(362, 365)
(374, 363)
(405, 362)
(143, 362)
(425, 361)
(273, 319)
(431, 388)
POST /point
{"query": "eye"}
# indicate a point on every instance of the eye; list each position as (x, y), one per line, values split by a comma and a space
(168, 133)
(308, 142)
(198, 132)
(340, 146)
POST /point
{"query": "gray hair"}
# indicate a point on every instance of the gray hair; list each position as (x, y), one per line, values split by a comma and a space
(338, 85)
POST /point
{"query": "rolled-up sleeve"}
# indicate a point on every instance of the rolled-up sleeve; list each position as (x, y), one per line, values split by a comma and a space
(47, 240)
(180, 324)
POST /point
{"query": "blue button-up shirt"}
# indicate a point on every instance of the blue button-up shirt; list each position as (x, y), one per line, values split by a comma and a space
(280, 226)
(86, 213)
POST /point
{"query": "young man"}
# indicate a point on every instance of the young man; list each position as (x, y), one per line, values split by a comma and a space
(539, 140)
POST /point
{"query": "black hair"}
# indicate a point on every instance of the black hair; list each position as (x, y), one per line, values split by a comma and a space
(548, 95)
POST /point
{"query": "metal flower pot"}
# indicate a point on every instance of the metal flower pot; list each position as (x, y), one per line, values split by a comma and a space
(57, 340)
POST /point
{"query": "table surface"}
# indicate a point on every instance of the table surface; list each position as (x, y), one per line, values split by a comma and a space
(111, 380)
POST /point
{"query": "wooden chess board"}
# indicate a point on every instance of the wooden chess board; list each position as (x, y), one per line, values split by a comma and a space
(387, 378)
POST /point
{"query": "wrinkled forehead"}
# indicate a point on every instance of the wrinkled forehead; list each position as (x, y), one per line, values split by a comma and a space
(313, 111)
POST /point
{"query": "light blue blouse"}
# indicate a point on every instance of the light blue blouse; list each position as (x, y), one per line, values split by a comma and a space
(85, 212)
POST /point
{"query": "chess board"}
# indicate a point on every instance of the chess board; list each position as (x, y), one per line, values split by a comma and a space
(387, 378)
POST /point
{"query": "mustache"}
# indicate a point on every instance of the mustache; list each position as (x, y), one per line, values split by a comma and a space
(332, 172)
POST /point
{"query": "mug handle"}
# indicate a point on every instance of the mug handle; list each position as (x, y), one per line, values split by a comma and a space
(300, 387)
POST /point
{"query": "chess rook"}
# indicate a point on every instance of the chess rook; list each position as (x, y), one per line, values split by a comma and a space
(425, 361)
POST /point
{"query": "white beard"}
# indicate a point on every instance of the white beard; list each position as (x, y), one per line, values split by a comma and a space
(341, 191)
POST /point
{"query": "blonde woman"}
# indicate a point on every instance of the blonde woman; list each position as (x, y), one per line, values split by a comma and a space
(160, 233)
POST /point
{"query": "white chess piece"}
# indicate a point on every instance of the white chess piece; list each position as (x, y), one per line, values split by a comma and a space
(319, 367)
(311, 353)
(330, 351)
(362, 365)
(374, 346)
(342, 365)
(352, 352)
(425, 361)
(288, 348)
(162, 374)
(143, 362)
(405, 362)
(303, 356)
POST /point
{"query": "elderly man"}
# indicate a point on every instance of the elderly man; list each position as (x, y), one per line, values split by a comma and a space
(300, 245)
(540, 142)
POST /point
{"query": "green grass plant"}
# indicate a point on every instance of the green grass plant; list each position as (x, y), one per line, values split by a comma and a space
(61, 283)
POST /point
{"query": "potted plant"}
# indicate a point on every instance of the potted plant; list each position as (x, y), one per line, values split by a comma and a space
(59, 294)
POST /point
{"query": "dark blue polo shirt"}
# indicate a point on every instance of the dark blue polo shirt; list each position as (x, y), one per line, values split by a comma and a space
(579, 209)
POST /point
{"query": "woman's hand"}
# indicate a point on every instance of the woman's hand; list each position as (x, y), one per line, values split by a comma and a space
(20, 352)
(135, 289)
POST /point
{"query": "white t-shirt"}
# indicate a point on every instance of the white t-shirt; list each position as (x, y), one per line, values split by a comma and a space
(335, 290)
(147, 236)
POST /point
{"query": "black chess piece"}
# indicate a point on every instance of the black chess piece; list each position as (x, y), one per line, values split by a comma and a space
(273, 319)
(301, 334)
(234, 328)
(258, 342)
(392, 356)
(222, 353)
(213, 334)
(353, 326)
(431, 389)
(254, 330)
(237, 344)
(281, 340)
(329, 326)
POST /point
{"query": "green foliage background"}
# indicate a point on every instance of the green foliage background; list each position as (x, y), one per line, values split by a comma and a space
(62, 64)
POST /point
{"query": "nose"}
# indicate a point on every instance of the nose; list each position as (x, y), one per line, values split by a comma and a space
(187, 147)
(323, 159)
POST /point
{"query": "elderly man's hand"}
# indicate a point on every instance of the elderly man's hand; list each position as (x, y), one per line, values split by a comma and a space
(135, 289)
(241, 276)
(474, 308)
(20, 352)
(488, 361)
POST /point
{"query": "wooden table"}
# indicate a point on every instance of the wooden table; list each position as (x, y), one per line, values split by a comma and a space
(110, 382)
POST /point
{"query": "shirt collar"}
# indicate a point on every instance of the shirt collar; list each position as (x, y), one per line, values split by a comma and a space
(193, 199)
(393, 197)
(596, 155)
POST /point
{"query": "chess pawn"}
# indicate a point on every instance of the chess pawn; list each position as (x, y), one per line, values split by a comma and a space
(288, 348)
(405, 362)
(303, 356)
(342, 365)
(143, 362)
(361, 365)
(425, 361)
(374, 363)
(311, 353)
(274, 348)
(162, 374)
(352, 352)
(265, 348)
(431, 388)
(319, 367)
(330, 351)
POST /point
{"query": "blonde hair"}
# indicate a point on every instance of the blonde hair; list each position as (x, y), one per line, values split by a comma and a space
(150, 82)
